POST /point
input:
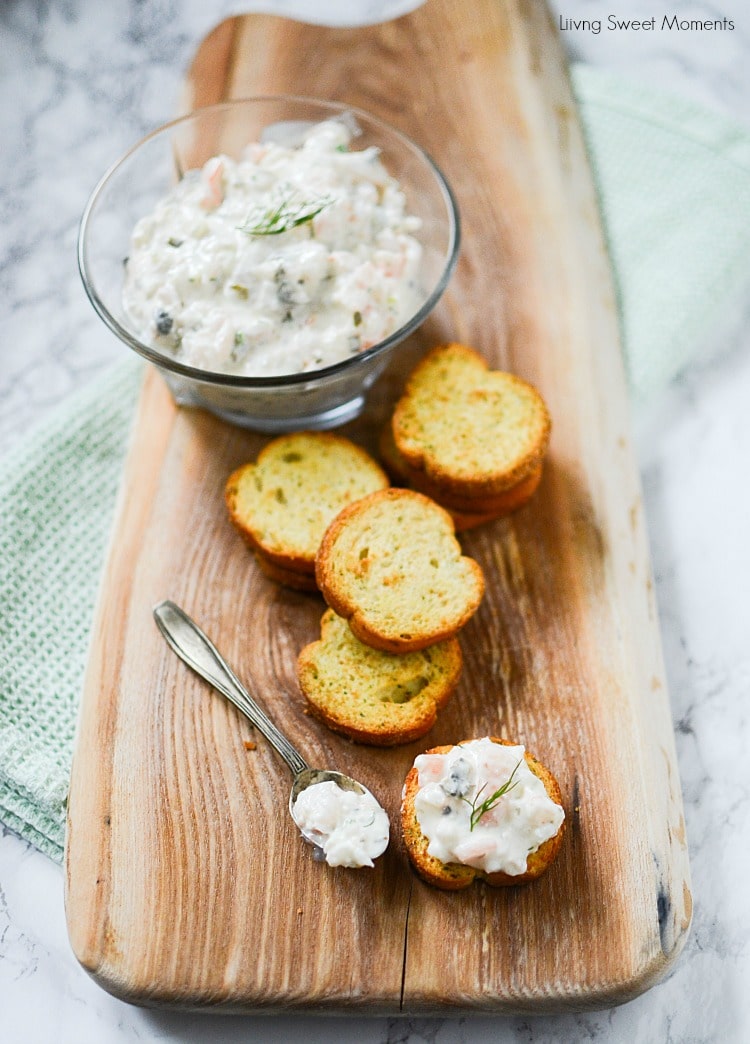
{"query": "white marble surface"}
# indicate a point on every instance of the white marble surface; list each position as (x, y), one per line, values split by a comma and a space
(80, 80)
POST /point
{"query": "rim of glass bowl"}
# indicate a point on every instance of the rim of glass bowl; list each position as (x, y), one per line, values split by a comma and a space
(306, 376)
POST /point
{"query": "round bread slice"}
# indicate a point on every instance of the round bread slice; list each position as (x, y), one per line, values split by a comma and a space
(390, 564)
(468, 430)
(454, 876)
(374, 697)
(283, 502)
(467, 511)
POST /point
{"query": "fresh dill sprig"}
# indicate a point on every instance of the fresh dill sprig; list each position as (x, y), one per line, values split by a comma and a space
(477, 811)
(288, 214)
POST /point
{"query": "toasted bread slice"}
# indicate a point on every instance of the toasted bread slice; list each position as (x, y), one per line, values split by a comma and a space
(454, 876)
(293, 578)
(391, 565)
(468, 430)
(374, 697)
(284, 501)
(466, 511)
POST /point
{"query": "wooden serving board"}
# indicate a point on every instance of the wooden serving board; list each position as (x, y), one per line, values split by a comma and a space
(187, 883)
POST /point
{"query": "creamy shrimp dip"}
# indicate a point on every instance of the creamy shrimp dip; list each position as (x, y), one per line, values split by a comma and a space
(288, 260)
(481, 805)
(349, 827)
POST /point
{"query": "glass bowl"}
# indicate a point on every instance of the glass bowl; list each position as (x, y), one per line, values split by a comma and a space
(131, 188)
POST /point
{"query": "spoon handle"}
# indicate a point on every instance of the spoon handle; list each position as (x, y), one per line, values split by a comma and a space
(198, 651)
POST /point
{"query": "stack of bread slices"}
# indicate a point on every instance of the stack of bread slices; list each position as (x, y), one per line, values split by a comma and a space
(471, 438)
(319, 513)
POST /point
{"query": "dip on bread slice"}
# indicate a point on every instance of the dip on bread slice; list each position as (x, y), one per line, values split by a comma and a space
(484, 810)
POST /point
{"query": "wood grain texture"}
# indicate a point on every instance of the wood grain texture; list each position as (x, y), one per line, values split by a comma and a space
(187, 884)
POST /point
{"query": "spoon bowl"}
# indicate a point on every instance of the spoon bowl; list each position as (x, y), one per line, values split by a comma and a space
(194, 647)
(309, 776)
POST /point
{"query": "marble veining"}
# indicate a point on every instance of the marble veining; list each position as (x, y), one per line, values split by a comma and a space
(81, 81)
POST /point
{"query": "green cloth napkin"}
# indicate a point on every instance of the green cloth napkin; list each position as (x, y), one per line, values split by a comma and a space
(674, 183)
(674, 187)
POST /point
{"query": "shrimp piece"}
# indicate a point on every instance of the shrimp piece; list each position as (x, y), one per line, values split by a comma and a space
(213, 173)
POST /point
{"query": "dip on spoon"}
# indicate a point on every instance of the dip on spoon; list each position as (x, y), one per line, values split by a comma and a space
(335, 813)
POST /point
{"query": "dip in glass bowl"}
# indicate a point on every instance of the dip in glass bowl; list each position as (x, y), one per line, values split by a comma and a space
(268, 254)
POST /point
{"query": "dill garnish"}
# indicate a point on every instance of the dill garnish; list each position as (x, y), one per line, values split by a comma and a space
(288, 214)
(477, 811)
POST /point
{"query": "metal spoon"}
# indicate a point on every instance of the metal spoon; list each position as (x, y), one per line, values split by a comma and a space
(190, 643)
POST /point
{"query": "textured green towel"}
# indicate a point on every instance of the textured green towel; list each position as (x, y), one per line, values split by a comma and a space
(675, 192)
(674, 184)
(57, 495)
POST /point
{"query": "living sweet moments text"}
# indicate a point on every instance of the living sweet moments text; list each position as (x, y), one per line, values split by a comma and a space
(657, 23)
